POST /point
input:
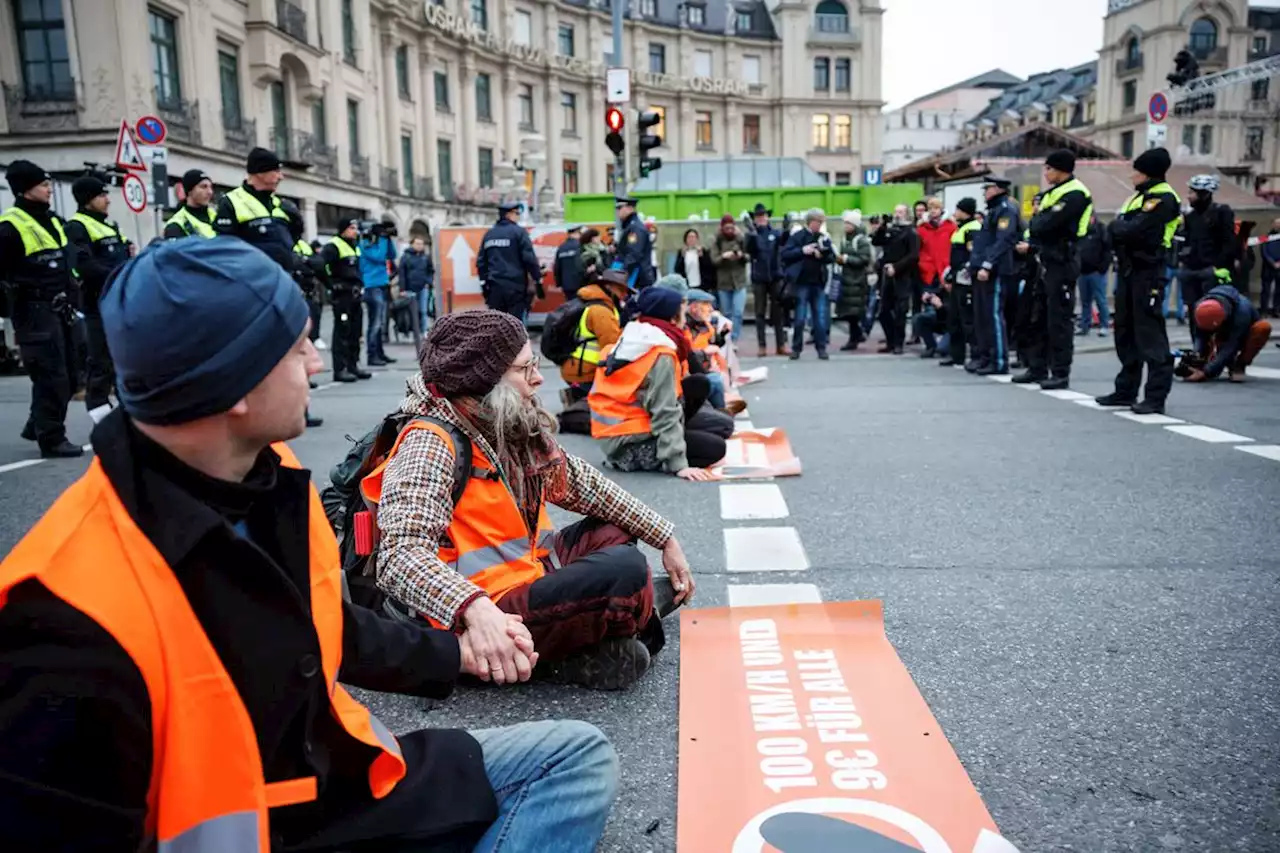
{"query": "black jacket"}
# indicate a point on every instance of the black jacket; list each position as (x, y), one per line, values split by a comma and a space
(1095, 250)
(274, 238)
(342, 274)
(568, 267)
(507, 261)
(635, 252)
(46, 273)
(1138, 236)
(76, 756)
(1209, 238)
(706, 269)
(1001, 231)
(901, 246)
(763, 248)
(95, 261)
(1054, 228)
(801, 269)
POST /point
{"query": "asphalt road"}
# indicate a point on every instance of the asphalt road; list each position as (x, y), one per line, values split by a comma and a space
(1089, 604)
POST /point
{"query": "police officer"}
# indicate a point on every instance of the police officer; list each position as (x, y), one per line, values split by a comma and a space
(1142, 236)
(195, 217)
(340, 259)
(253, 212)
(1024, 314)
(99, 248)
(958, 284)
(1210, 252)
(1063, 218)
(507, 263)
(40, 296)
(568, 267)
(991, 268)
(635, 244)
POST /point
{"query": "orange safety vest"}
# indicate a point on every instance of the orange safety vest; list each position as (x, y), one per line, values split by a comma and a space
(207, 791)
(487, 541)
(704, 339)
(614, 398)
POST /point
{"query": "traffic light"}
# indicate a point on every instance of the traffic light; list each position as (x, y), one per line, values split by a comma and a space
(647, 142)
(614, 120)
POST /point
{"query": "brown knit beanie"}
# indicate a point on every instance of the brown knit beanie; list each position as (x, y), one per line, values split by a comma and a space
(466, 354)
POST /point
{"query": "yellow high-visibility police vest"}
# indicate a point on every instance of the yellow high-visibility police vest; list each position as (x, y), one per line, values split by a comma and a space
(961, 234)
(589, 351)
(344, 251)
(1135, 202)
(97, 230)
(1051, 198)
(248, 208)
(35, 238)
(193, 226)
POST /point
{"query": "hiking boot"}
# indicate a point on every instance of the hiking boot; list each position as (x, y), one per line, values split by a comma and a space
(344, 376)
(972, 365)
(1115, 398)
(822, 355)
(1055, 383)
(1029, 377)
(795, 356)
(929, 353)
(948, 362)
(388, 359)
(782, 350)
(1148, 407)
(29, 432)
(851, 346)
(64, 450)
(615, 664)
(363, 374)
(377, 362)
(990, 370)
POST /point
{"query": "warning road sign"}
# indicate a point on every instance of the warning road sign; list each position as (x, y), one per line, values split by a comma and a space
(128, 155)
(135, 193)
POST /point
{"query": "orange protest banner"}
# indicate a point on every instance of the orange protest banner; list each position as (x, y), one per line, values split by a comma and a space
(759, 452)
(802, 732)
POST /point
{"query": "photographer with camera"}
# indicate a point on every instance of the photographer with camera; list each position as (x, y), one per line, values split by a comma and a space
(901, 244)
(341, 268)
(507, 264)
(806, 260)
(377, 264)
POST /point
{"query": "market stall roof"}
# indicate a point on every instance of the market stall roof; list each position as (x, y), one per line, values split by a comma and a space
(1033, 140)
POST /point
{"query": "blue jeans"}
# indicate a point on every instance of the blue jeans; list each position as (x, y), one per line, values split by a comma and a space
(376, 300)
(1170, 281)
(716, 397)
(554, 780)
(731, 304)
(811, 297)
(1093, 291)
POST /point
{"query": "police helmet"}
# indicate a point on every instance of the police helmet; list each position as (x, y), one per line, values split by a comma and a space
(1204, 183)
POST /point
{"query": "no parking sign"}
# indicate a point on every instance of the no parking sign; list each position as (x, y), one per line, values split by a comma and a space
(150, 130)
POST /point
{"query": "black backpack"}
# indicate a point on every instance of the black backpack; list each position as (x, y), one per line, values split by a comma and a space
(343, 502)
(560, 331)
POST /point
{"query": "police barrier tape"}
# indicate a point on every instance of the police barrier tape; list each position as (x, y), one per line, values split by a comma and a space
(802, 732)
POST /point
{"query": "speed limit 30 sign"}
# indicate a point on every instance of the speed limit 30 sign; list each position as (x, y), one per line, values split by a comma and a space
(135, 193)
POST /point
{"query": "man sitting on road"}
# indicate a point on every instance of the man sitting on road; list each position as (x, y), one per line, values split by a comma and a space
(1233, 334)
(173, 631)
(596, 619)
(707, 331)
(642, 405)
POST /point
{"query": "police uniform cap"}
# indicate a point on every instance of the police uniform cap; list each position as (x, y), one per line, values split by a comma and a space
(508, 206)
(992, 181)
(621, 200)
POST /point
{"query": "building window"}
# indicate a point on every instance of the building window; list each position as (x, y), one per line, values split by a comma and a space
(485, 161)
(751, 134)
(402, 71)
(657, 58)
(480, 14)
(744, 23)
(821, 132)
(279, 120)
(843, 179)
(442, 92)
(1189, 137)
(42, 50)
(751, 70)
(1253, 143)
(567, 46)
(1204, 37)
(1259, 45)
(353, 127)
(697, 14)
(164, 61)
(406, 161)
(229, 84)
(1206, 139)
(348, 32)
(1126, 144)
(821, 74)
(320, 122)
(524, 28)
(1130, 96)
(1060, 117)
(831, 17)
(569, 108)
(825, 177)
(484, 107)
(648, 8)
(844, 132)
(1089, 111)
(1260, 90)
(844, 76)
(569, 177)
(1133, 53)
(702, 63)
(702, 130)
(444, 163)
(525, 99)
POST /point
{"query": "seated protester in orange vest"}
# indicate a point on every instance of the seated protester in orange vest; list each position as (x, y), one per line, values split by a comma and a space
(708, 331)
(602, 320)
(596, 619)
(641, 400)
(173, 631)
(1232, 334)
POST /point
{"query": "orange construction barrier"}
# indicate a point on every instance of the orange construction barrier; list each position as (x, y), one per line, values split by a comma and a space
(758, 452)
(802, 732)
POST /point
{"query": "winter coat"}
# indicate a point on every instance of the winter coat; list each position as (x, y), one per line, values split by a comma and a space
(730, 274)
(1095, 250)
(597, 255)
(417, 272)
(856, 250)
(706, 268)
(935, 249)
(602, 321)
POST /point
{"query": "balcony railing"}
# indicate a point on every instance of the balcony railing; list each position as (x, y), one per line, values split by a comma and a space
(39, 111)
(391, 181)
(239, 136)
(836, 24)
(182, 118)
(1209, 55)
(292, 20)
(1129, 65)
(359, 169)
(423, 188)
(301, 149)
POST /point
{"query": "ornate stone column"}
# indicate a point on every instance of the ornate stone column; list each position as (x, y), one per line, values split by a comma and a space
(431, 151)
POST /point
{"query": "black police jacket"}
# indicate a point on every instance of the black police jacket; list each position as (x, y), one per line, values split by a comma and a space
(272, 236)
(507, 261)
(1209, 238)
(1138, 236)
(1094, 250)
(1055, 228)
(342, 274)
(568, 267)
(44, 275)
(635, 251)
(78, 715)
(95, 260)
(1001, 231)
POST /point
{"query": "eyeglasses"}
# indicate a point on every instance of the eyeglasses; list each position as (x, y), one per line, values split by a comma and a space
(529, 369)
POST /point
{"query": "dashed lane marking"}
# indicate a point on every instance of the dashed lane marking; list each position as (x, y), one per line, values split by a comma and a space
(1266, 451)
(997, 377)
(745, 501)
(1073, 396)
(764, 549)
(1209, 434)
(744, 424)
(1263, 372)
(1150, 420)
(14, 466)
(757, 595)
(1092, 404)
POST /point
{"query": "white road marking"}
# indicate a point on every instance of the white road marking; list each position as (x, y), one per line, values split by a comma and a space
(1262, 372)
(744, 425)
(751, 500)
(998, 377)
(764, 549)
(761, 594)
(14, 466)
(1090, 404)
(1209, 434)
(86, 447)
(1028, 386)
(1074, 396)
(958, 366)
(322, 387)
(1151, 420)
(1266, 451)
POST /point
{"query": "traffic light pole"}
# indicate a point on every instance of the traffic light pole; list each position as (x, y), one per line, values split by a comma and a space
(620, 159)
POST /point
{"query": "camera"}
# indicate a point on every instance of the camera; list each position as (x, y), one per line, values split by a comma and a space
(372, 229)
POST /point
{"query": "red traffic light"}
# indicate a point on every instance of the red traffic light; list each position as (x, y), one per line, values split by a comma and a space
(613, 118)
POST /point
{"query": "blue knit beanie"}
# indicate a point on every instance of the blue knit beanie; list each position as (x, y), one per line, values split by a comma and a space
(659, 303)
(194, 325)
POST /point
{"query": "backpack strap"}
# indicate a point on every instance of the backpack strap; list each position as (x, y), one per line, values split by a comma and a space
(462, 469)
